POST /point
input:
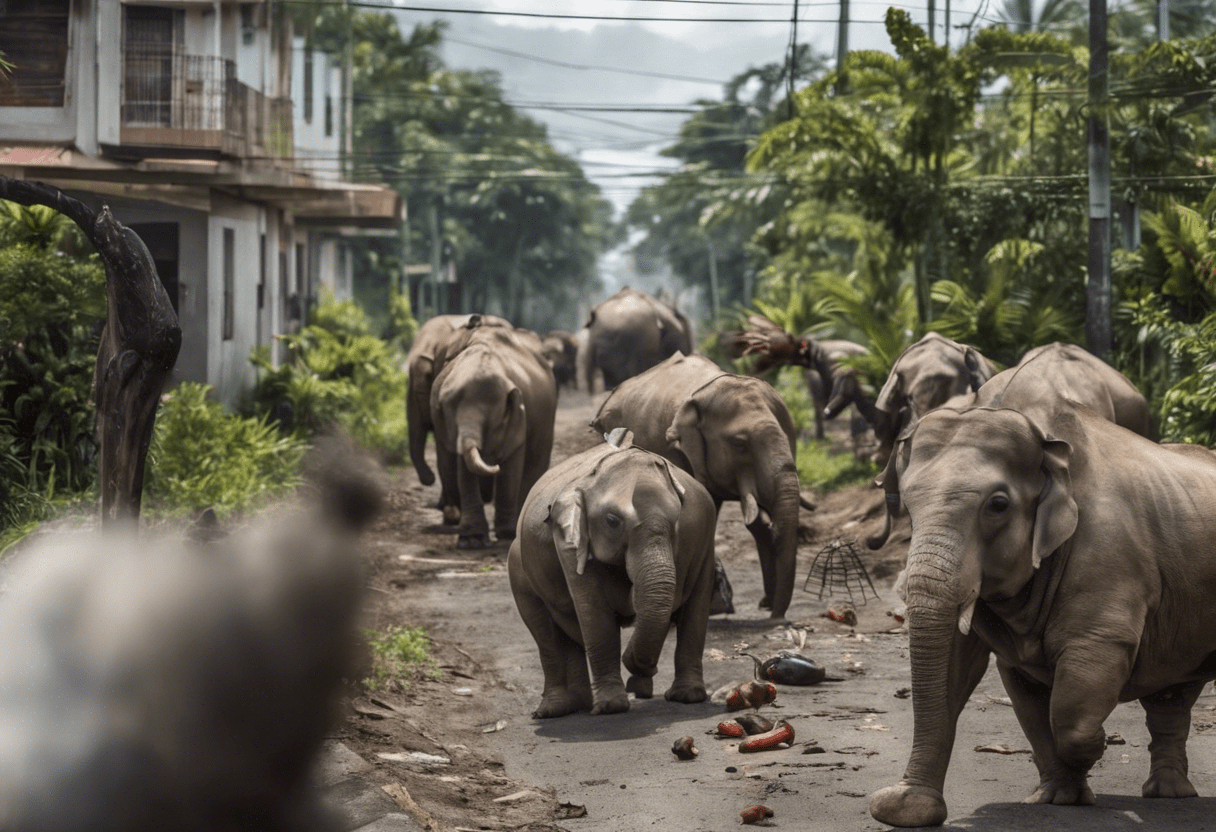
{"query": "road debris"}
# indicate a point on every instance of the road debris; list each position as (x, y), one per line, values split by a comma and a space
(462, 691)
(1001, 749)
(497, 726)
(754, 723)
(566, 811)
(814, 749)
(515, 797)
(750, 695)
(755, 814)
(684, 749)
(842, 613)
(783, 732)
(903, 693)
(415, 757)
(789, 668)
(1000, 700)
(1115, 739)
(731, 728)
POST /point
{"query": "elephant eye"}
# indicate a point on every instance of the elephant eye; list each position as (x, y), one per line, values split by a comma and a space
(999, 503)
(612, 521)
(738, 443)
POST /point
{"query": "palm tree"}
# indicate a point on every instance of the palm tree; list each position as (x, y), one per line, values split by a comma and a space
(1020, 15)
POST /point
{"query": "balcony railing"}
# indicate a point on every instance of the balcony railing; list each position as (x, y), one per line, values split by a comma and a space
(171, 100)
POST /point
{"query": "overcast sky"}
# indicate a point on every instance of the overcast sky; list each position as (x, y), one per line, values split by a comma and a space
(617, 149)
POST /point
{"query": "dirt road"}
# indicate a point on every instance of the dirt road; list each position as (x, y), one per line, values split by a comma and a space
(505, 770)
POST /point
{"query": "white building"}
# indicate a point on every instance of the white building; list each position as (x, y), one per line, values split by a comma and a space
(216, 135)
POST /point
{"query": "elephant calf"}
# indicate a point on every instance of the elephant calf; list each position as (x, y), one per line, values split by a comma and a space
(493, 404)
(614, 535)
(736, 436)
(1082, 555)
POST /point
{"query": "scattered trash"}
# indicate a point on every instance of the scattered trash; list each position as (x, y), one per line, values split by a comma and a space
(731, 728)
(713, 654)
(684, 749)
(1001, 700)
(1125, 758)
(755, 814)
(1115, 739)
(1001, 749)
(903, 693)
(814, 749)
(515, 797)
(750, 695)
(566, 811)
(722, 600)
(844, 614)
(838, 566)
(497, 726)
(462, 691)
(783, 732)
(754, 723)
(789, 668)
(900, 615)
(417, 757)
(732, 770)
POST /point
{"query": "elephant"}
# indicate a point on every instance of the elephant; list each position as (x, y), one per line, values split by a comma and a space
(926, 375)
(1038, 384)
(420, 364)
(1078, 375)
(736, 436)
(1088, 572)
(493, 404)
(561, 350)
(611, 536)
(629, 333)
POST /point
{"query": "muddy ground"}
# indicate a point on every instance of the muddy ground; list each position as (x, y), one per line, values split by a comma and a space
(464, 747)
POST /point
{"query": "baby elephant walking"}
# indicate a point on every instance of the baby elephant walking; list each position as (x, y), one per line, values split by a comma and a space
(613, 536)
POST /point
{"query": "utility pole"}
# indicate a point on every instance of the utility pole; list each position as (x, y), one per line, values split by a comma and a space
(946, 38)
(436, 256)
(348, 97)
(842, 47)
(789, 94)
(932, 21)
(1163, 19)
(1097, 290)
(713, 279)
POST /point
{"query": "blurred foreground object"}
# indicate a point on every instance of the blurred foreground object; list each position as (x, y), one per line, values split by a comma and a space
(158, 683)
(139, 345)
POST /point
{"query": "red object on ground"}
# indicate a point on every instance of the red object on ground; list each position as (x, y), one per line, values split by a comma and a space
(782, 733)
(755, 814)
(730, 728)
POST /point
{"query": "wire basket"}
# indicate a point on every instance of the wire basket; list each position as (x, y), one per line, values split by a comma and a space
(838, 567)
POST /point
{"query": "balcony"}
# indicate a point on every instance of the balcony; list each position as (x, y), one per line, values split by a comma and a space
(179, 103)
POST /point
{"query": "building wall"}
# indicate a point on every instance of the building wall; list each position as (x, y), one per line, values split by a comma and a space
(229, 370)
(316, 150)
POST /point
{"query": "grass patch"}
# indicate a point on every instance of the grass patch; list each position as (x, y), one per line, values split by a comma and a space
(828, 467)
(400, 656)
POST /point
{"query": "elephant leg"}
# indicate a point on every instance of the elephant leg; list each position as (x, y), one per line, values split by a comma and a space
(507, 496)
(487, 489)
(766, 548)
(563, 693)
(1168, 716)
(691, 622)
(474, 530)
(1057, 782)
(1085, 689)
(449, 484)
(817, 387)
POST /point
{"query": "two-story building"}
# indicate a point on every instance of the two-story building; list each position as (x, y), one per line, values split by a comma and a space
(212, 131)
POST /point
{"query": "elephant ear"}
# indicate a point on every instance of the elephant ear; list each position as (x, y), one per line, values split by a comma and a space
(891, 395)
(977, 373)
(619, 438)
(1055, 519)
(685, 436)
(888, 481)
(671, 478)
(568, 520)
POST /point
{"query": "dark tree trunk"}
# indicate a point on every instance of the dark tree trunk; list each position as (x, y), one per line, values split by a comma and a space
(139, 345)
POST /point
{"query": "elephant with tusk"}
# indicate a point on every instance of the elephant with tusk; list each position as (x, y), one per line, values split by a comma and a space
(614, 534)
(493, 403)
(736, 436)
(1081, 554)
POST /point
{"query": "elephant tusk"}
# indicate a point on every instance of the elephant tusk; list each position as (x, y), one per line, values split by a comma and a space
(472, 458)
(751, 510)
(765, 519)
(964, 618)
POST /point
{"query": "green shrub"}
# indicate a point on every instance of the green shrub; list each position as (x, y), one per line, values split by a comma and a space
(203, 457)
(791, 386)
(828, 467)
(399, 656)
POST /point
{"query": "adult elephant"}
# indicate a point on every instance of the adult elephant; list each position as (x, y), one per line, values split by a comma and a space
(736, 436)
(492, 403)
(629, 333)
(420, 364)
(926, 375)
(611, 535)
(561, 351)
(1082, 555)
(1045, 380)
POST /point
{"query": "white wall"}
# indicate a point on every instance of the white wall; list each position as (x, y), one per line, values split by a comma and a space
(229, 370)
(316, 152)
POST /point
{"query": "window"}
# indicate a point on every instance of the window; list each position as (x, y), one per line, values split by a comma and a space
(34, 39)
(308, 84)
(248, 27)
(329, 115)
(229, 282)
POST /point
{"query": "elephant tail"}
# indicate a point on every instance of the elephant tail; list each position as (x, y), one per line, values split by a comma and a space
(472, 458)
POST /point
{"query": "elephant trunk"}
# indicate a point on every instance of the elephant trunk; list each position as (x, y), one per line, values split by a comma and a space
(418, 417)
(468, 445)
(934, 595)
(653, 575)
(784, 510)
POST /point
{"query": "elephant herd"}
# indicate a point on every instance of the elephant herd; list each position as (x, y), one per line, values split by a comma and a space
(1049, 528)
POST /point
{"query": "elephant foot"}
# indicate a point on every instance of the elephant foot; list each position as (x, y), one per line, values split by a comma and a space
(473, 541)
(1168, 782)
(618, 703)
(640, 686)
(1068, 790)
(451, 515)
(505, 535)
(561, 703)
(908, 805)
(689, 693)
(766, 603)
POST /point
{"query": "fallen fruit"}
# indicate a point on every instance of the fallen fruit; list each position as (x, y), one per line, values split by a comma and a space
(731, 728)
(843, 614)
(755, 814)
(750, 695)
(783, 732)
(684, 749)
(753, 723)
